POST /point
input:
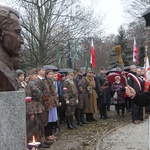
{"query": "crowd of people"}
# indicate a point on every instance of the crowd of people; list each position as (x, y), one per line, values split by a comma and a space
(74, 99)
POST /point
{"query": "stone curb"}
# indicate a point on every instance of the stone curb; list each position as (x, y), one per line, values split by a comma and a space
(107, 133)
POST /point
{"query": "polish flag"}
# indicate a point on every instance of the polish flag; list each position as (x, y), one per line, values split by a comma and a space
(146, 63)
(135, 52)
(92, 55)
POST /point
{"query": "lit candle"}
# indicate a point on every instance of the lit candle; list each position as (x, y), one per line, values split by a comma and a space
(34, 144)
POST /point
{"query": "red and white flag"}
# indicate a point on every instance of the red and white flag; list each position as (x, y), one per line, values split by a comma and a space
(146, 63)
(135, 52)
(147, 74)
(92, 55)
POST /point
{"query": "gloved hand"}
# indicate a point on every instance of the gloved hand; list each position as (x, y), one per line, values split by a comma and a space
(67, 102)
(77, 101)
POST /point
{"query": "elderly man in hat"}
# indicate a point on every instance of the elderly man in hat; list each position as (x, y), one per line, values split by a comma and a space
(71, 98)
(118, 89)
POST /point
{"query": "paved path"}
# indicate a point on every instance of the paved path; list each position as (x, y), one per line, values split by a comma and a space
(128, 137)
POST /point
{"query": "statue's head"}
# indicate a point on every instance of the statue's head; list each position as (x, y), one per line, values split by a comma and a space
(10, 32)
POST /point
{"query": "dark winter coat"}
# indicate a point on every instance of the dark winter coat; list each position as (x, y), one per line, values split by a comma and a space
(77, 80)
(103, 89)
(133, 81)
(83, 86)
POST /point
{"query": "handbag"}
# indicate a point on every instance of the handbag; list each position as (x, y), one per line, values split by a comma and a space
(115, 95)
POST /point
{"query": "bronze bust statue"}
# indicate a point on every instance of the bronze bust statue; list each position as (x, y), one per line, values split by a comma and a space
(10, 44)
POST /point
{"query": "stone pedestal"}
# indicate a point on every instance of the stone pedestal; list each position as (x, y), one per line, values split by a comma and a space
(12, 120)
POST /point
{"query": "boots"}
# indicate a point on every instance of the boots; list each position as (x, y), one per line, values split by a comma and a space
(101, 112)
(122, 111)
(79, 117)
(69, 123)
(105, 111)
(82, 117)
(88, 117)
(91, 117)
(62, 117)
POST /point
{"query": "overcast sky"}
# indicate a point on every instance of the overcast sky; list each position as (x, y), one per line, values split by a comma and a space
(112, 9)
(114, 14)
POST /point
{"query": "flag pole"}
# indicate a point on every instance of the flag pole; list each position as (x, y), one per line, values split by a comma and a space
(92, 55)
(146, 47)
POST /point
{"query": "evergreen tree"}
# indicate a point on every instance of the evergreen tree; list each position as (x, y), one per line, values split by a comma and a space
(141, 55)
(121, 39)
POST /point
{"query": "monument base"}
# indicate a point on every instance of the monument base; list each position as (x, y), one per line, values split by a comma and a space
(12, 120)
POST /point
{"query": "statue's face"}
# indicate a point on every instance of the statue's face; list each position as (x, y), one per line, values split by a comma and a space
(12, 38)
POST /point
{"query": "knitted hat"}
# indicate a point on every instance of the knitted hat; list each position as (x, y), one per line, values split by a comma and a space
(117, 77)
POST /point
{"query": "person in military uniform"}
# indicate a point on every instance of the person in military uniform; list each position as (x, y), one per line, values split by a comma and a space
(71, 98)
(103, 91)
(79, 112)
(51, 105)
(45, 100)
(34, 109)
(92, 96)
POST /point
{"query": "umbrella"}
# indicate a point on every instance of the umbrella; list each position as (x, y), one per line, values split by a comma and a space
(84, 69)
(65, 70)
(118, 69)
(127, 68)
(146, 16)
(112, 75)
(51, 67)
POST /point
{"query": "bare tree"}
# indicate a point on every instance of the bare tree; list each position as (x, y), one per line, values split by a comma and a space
(49, 25)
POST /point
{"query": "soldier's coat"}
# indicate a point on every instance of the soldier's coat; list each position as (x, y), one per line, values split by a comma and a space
(93, 96)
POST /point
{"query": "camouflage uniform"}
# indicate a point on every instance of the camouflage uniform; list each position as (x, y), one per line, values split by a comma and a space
(34, 107)
(71, 98)
(50, 104)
